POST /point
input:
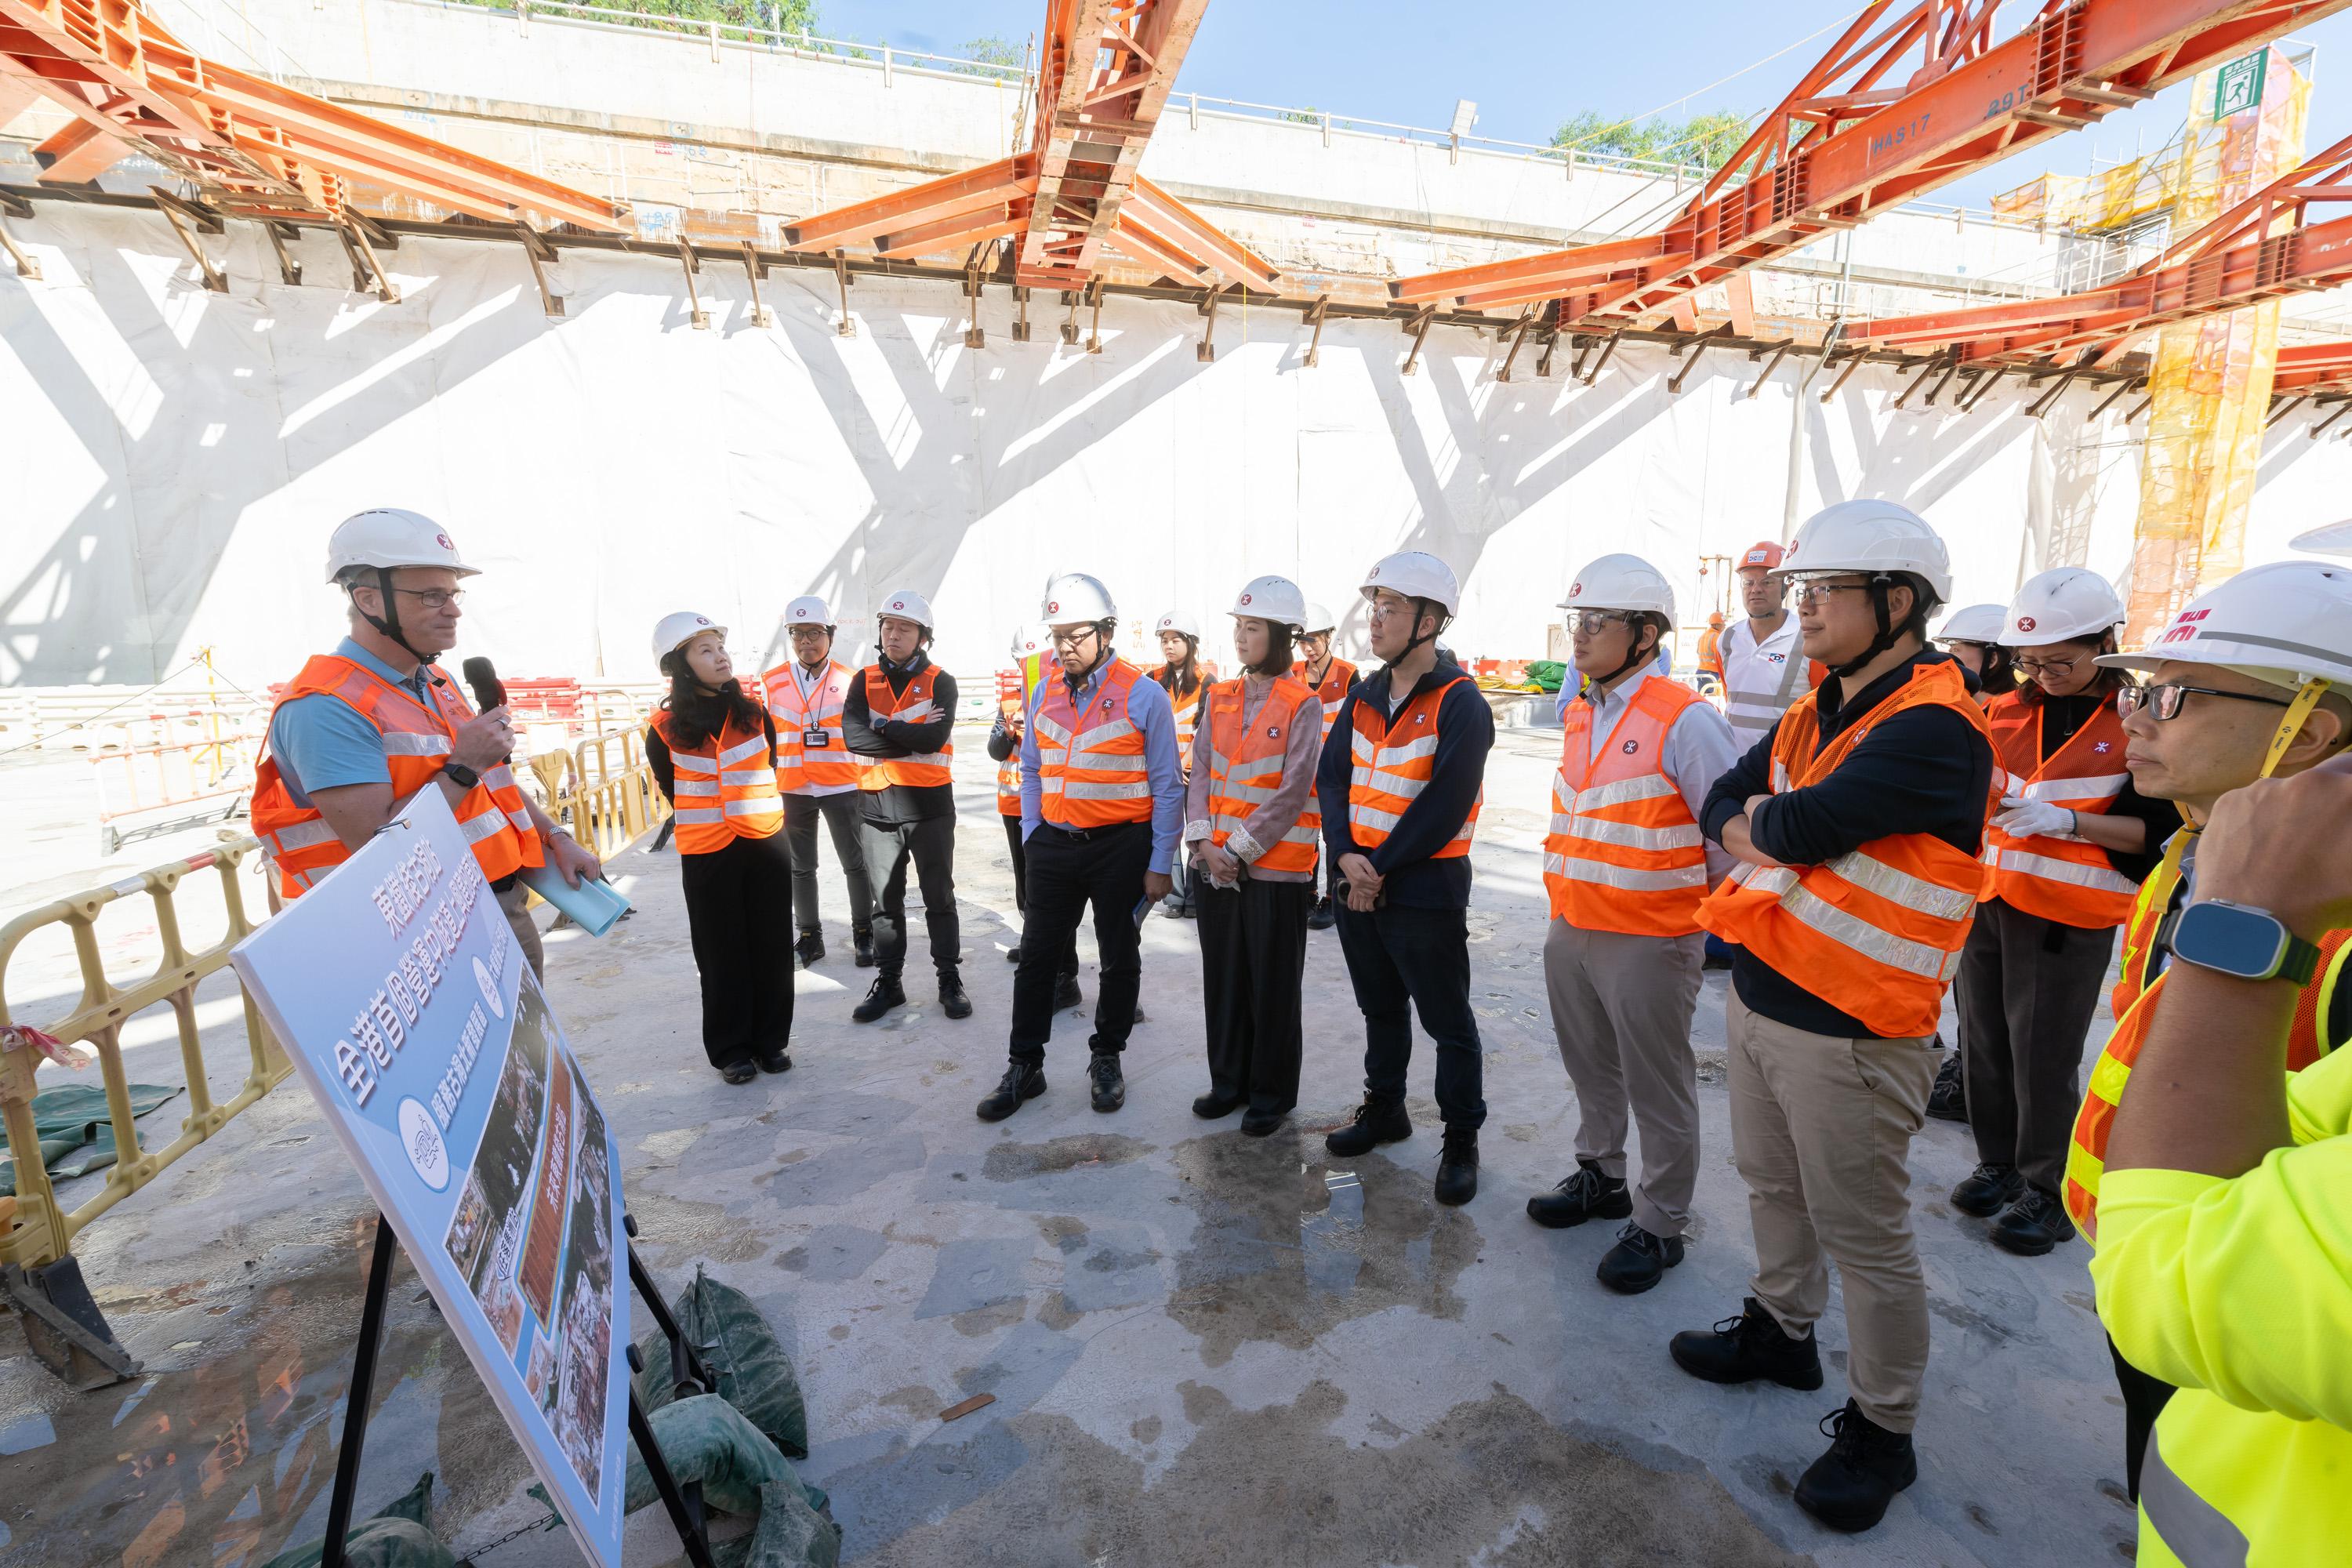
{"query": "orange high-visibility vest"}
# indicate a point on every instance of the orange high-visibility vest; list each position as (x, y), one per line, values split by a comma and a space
(1008, 772)
(1710, 651)
(1186, 709)
(2064, 879)
(1877, 932)
(1625, 853)
(1331, 690)
(1394, 761)
(493, 815)
(2133, 1002)
(915, 706)
(1090, 766)
(725, 790)
(1245, 770)
(802, 767)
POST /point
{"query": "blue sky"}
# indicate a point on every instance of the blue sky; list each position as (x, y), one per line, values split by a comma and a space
(1530, 65)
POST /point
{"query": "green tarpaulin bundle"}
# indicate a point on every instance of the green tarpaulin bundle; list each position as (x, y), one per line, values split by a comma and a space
(76, 1131)
(754, 1374)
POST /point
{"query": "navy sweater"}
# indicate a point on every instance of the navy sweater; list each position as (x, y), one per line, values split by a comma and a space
(1465, 733)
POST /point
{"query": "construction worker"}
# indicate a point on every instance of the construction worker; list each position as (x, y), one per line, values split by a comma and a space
(1972, 634)
(713, 751)
(1004, 750)
(1710, 645)
(2249, 681)
(1102, 803)
(1624, 869)
(900, 720)
(1332, 677)
(1764, 673)
(815, 768)
(1400, 787)
(2067, 849)
(1251, 824)
(362, 729)
(1183, 676)
(1859, 829)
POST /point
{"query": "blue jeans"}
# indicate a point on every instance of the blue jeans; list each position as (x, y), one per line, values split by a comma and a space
(1406, 960)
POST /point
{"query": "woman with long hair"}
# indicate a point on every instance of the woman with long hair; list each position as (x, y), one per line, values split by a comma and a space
(1185, 678)
(712, 749)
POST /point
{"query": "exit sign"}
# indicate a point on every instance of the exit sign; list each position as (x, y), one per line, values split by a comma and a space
(2238, 86)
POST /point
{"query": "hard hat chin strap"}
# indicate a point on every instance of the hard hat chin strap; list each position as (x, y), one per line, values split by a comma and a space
(1634, 656)
(2290, 724)
(1879, 582)
(388, 623)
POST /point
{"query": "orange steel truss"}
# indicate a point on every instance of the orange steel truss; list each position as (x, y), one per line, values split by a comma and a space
(1904, 102)
(2314, 367)
(252, 147)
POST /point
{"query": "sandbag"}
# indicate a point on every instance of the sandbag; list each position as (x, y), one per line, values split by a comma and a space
(76, 1130)
(791, 1535)
(708, 1440)
(393, 1537)
(754, 1374)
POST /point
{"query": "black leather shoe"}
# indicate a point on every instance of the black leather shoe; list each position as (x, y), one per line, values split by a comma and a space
(1639, 1260)
(1948, 1100)
(2032, 1226)
(863, 938)
(1588, 1195)
(1013, 953)
(1209, 1108)
(739, 1072)
(1260, 1124)
(1457, 1167)
(1020, 1082)
(1108, 1083)
(1848, 1488)
(1987, 1190)
(1322, 916)
(1376, 1121)
(1745, 1348)
(953, 1000)
(810, 948)
(1066, 994)
(884, 994)
(774, 1060)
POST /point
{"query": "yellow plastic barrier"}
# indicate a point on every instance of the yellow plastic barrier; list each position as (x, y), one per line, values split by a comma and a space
(603, 790)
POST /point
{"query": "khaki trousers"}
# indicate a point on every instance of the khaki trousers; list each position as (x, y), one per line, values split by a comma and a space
(515, 904)
(1821, 1130)
(1621, 1006)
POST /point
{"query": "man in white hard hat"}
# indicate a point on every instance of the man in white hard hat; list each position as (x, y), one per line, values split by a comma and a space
(1332, 677)
(808, 694)
(362, 729)
(1624, 869)
(1102, 803)
(2248, 681)
(1400, 787)
(1033, 663)
(899, 721)
(1858, 823)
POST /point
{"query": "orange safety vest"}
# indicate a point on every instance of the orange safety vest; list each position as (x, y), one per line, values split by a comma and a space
(1187, 709)
(1245, 771)
(1394, 761)
(1710, 651)
(1008, 772)
(725, 790)
(1625, 853)
(803, 768)
(1332, 690)
(915, 706)
(2063, 878)
(1877, 932)
(2133, 1002)
(493, 816)
(1090, 766)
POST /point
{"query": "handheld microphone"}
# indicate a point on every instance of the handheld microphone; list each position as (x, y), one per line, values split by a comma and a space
(489, 691)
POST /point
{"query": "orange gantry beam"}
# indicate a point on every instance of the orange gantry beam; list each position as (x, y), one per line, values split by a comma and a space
(2313, 367)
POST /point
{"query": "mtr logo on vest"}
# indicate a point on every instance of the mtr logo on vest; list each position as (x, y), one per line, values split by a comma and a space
(2185, 629)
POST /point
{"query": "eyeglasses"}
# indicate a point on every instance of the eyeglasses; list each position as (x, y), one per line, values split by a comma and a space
(1591, 621)
(434, 598)
(1072, 637)
(2033, 667)
(2165, 700)
(808, 634)
(1808, 589)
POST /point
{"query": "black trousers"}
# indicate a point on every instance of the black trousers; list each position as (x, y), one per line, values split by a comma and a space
(1252, 954)
(2145, 1398)
(2027, 989)
(1068, 871)
(738, 915)
(1021, 893)
(928, 846)
(841, 820)
(1406, 961)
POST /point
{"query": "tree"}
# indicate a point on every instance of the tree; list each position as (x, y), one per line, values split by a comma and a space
(1706, 139)
(995, 51)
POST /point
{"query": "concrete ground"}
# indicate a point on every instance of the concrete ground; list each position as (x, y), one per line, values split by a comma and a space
(1203, 1348)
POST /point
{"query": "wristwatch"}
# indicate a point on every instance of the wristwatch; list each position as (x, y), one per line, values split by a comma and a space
(2241, 941)
(460, 774)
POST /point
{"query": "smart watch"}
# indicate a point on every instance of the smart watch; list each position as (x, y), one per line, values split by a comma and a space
(2241, 941)
(460, 774)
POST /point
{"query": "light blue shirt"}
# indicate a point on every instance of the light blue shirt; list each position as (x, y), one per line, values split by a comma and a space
(323, 742)
(1698, 748)
(1149, 708)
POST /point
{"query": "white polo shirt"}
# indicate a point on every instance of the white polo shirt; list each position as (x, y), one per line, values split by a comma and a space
(1761, 680)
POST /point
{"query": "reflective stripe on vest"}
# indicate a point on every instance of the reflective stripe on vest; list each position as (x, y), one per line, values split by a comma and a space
(1752, 711)
(1331, 690)
(913, 706)
(1091, 771)
(1877, 932)
(1625, 853)
(2058, 877)
(1008, 772)
(724, 791)
(1245, 770)
(829, 769)
(2191, 1528)
(1394, 761)
(1188, 713)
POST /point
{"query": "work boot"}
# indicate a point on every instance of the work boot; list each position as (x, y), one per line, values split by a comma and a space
(1066, 994)
(863, 936)
(1021, 1081)
(1209, 1108)
(1262, 1124)
(775, 1059)
(1948, 1100)
(1322, 916)
(953, 1000)
(739, 1072)
(885, 994)
(1987, 1190)
(1457, 1167)
(1639, 1260)
(1013, 953)
(1590, 1193)
(1376, 1121)
(1109, 1084)
(1745, 1348)
(2032, 1226)
(1848, 1488)
(810, 948)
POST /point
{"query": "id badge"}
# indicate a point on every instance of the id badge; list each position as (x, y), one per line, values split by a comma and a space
(817, 738)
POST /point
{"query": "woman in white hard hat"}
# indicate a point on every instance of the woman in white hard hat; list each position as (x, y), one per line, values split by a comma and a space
(1252, 829)
(1971, 635)
(1331, 677)
(1032, 659)
(2067, 851)
(712, 749)
(808, 693)
(1184, 676)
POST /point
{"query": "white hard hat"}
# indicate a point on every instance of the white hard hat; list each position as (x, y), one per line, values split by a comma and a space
(1620, 583)
(1974, 623)
(1072, 597)
(391, 536)
(676, 630)
(1178, 621)
(2063, 602)
(1870, 536)
(808, 610)
(906, 605)
(2285, 622)
(2335, 539)
(1319, 617)
(1032, 639)
(1417, 574)
(1276, 599)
